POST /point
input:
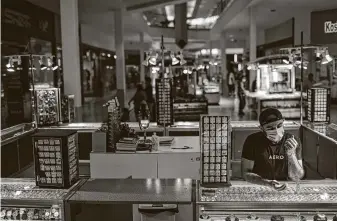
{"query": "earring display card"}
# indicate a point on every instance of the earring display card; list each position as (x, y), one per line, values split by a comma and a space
(48, 106)
(318, 105)
(164, 101)
(215, 150)
(56, 158)
(68, 108)
(113, 123)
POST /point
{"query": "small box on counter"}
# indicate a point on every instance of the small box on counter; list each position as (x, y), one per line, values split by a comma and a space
(319, 102)
(56, 158)
(68, 108)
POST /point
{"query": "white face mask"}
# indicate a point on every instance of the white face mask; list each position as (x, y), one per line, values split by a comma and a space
(275, 135)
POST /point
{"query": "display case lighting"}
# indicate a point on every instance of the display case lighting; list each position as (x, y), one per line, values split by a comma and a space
(109, 55)
(285, 61)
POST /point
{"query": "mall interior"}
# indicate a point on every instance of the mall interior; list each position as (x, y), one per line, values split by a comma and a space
(141, 110)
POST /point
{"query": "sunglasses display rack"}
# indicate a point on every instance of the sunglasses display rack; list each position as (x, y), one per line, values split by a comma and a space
(113, 123)
(56, 158)
(48, 106)
(318, 105)
(68, 108)
(215, 150)
(164, 101)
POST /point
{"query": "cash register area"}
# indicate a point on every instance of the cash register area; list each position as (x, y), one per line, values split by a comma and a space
(69, 172)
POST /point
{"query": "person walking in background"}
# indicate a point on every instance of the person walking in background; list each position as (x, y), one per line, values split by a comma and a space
(231, 82)
(138, 98)
(149, 96)
(241, 93)
(308, 83)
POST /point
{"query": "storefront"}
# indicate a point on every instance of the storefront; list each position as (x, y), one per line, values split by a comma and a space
(98, 71)
(26, 28)
(324, 32)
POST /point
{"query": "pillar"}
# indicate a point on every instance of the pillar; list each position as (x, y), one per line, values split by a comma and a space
(223, 40)
(120, 60)
(71, 49)
(252, 44)
(142, 67)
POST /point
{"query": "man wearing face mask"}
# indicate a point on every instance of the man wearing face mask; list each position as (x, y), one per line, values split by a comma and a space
(272, 154)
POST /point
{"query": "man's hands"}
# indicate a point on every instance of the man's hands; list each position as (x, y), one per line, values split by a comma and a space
(291, 145)
(274, 184)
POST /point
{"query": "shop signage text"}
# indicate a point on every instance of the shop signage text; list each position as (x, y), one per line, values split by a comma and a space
(330, 27)
(16, 18)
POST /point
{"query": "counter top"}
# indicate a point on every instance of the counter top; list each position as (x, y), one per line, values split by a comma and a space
(327, 130)
(11, 134)
(180, 142)
(136, 191)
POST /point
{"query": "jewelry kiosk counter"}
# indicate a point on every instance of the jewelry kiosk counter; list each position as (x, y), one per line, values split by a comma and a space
(313, 200)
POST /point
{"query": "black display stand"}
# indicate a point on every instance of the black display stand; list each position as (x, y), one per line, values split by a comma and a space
(215, 142)
(319, 102)
(164, 104)
(56, 158)
(68, 108)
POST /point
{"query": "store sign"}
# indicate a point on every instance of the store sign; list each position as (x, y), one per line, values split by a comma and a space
(330, 27)
(324, 27)
(16, 18)
(28, 19)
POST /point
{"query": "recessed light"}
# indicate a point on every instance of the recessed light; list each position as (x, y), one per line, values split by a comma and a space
(273, 10)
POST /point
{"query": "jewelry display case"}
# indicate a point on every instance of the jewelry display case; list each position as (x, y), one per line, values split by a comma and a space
(189, 108)
(308, 200)
(21, 199)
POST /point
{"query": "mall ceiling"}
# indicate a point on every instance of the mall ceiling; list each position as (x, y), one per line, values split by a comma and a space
(156, 17)
(270, 13)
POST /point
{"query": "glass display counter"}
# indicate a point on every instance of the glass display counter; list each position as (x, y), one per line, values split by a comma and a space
(21, 199)
(212, 93)
(16, 149)
(288, 104)
(313, 200)
(320, 148)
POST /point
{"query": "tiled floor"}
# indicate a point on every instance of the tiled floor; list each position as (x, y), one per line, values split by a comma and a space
(93, 111)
